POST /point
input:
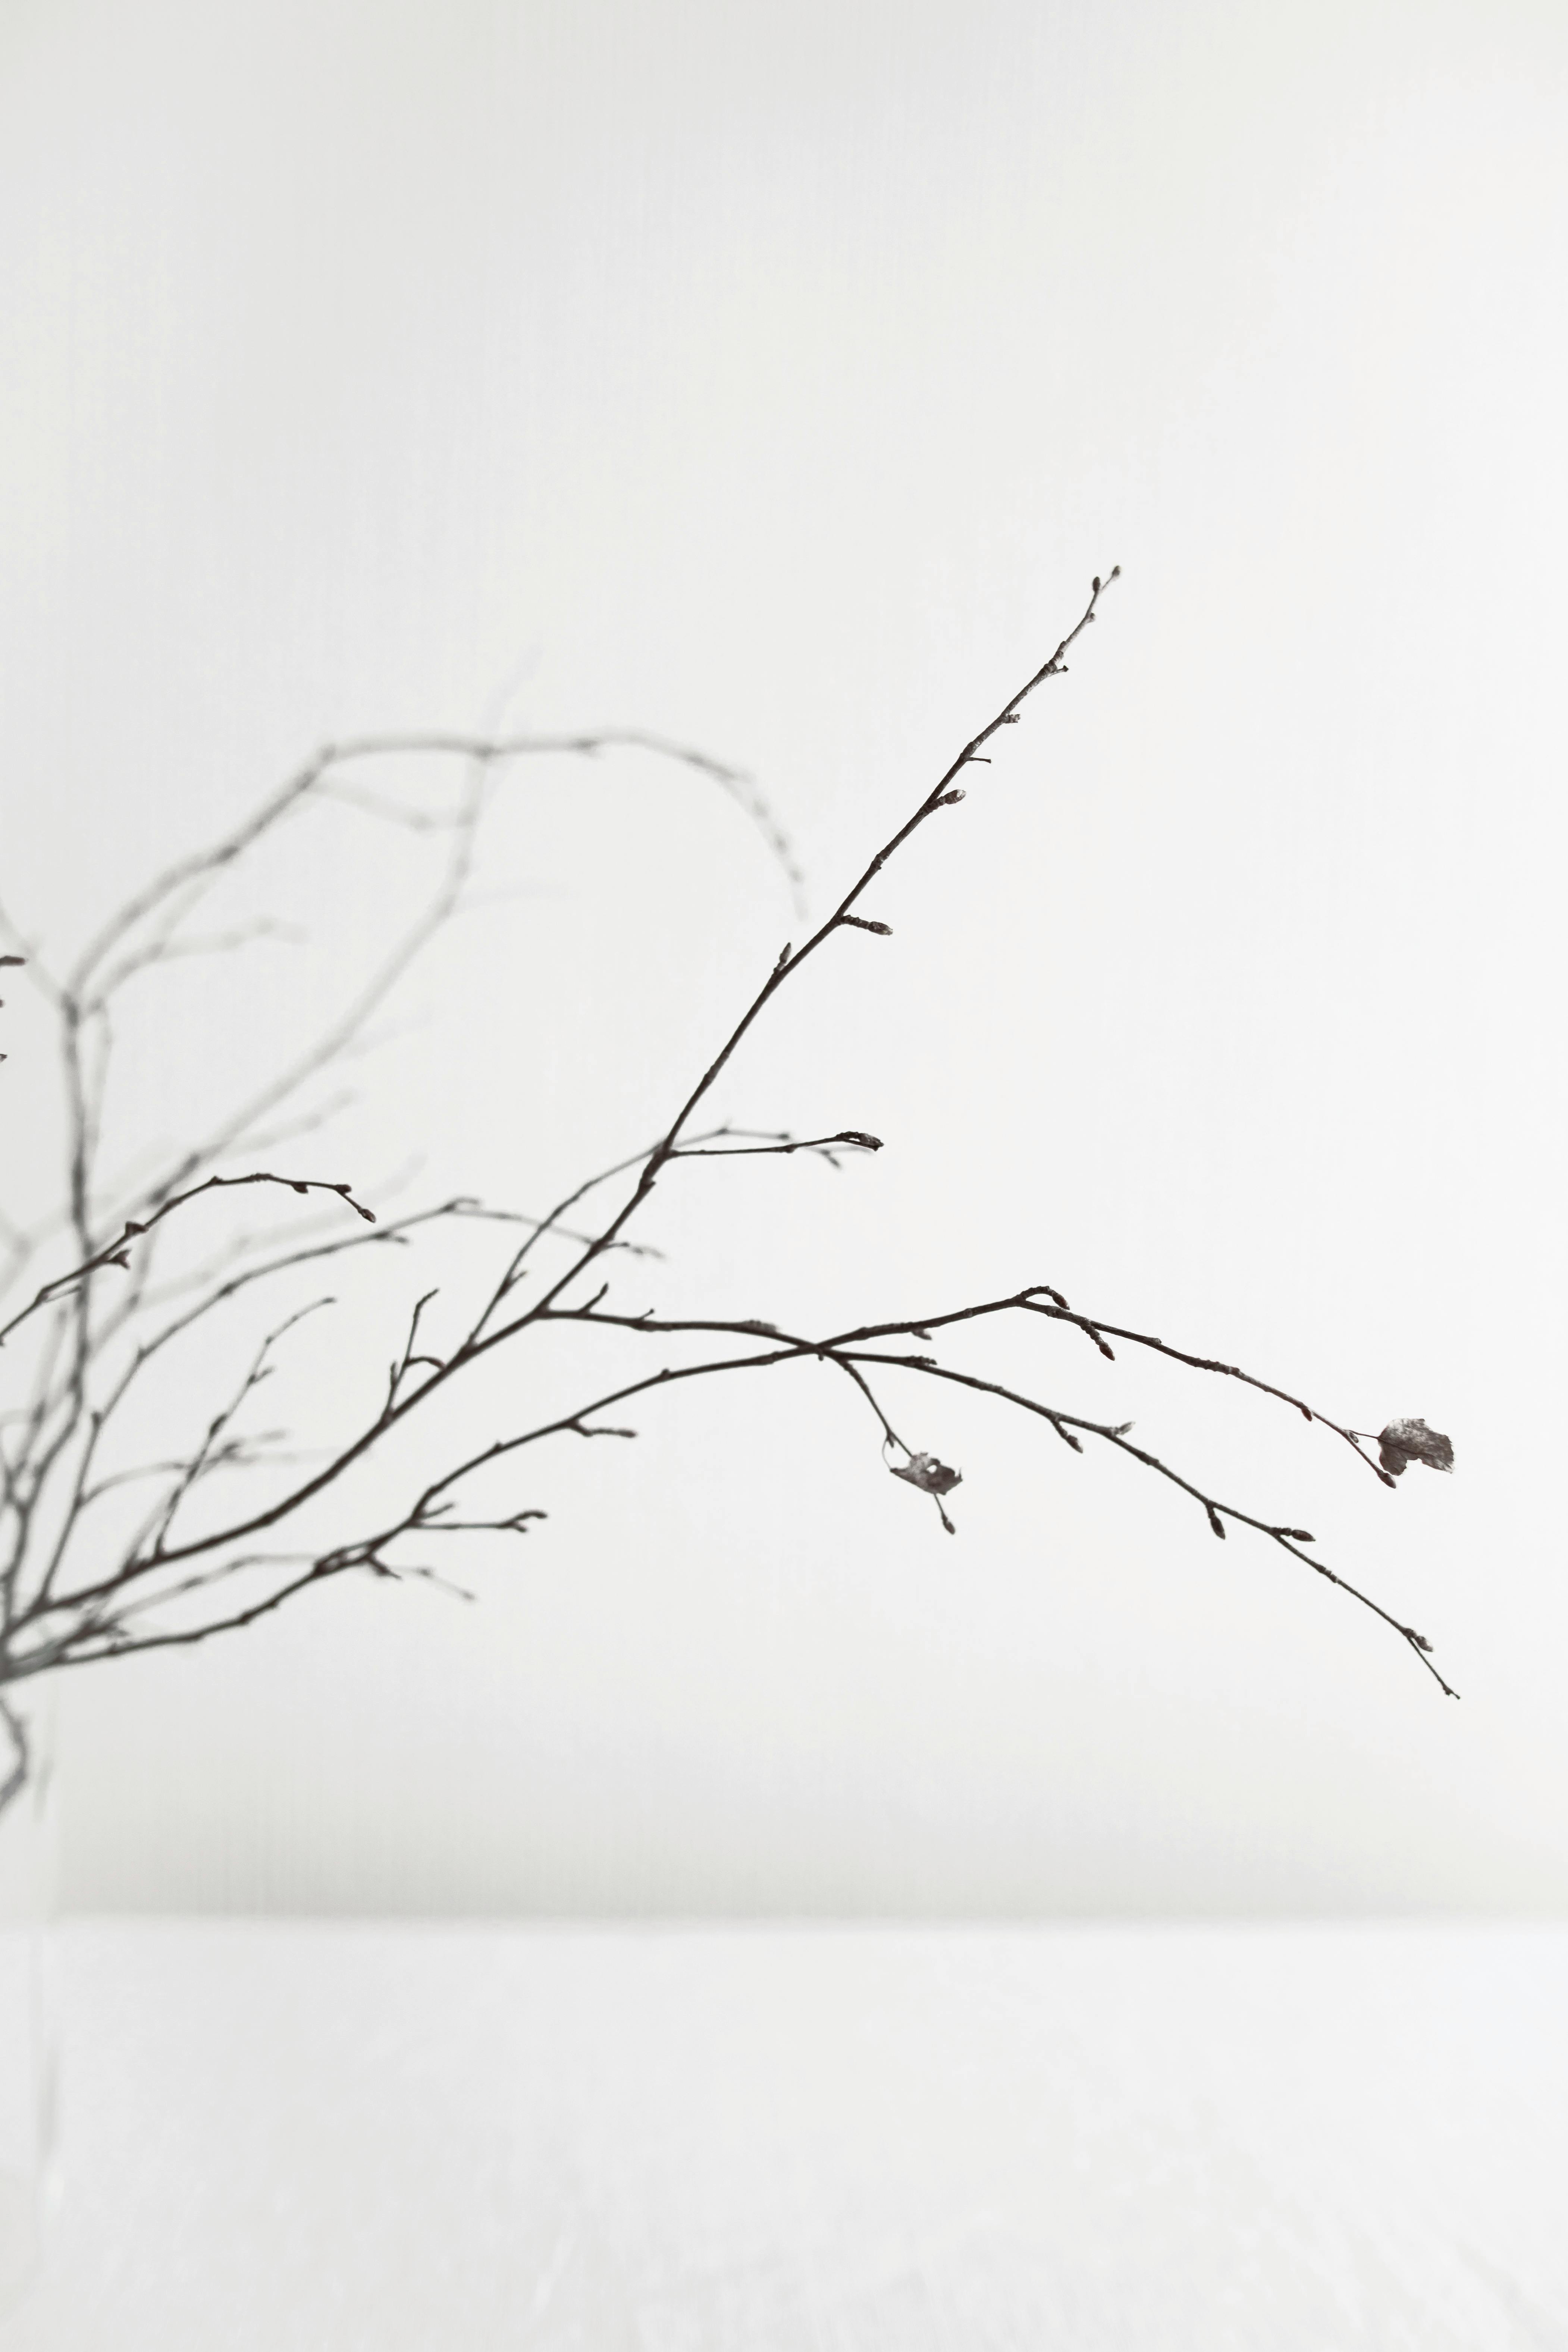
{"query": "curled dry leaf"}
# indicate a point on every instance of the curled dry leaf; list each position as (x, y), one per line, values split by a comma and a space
(1412, 1441)
(924, 1471)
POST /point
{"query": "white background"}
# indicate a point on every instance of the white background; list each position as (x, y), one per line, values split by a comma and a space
(1143, 2137)
(777, 378)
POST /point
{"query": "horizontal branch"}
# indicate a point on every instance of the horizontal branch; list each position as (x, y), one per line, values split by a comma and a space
(1040, 1299)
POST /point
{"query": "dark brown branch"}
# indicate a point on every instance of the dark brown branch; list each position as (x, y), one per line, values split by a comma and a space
(821, 1143)
(790, 960)
(1040, 1299)
(46, 1627)
(1215, 1510)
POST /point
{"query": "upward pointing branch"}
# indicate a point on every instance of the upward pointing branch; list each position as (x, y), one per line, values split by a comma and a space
(943, 794)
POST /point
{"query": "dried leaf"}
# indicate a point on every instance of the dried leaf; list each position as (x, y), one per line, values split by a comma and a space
(1412, 1441)
(924, 1471)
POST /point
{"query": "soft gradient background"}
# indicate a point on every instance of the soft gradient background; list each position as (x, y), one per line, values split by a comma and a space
(777, 377)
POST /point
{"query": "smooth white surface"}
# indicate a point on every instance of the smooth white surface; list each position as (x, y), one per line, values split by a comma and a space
(777, 377)
(330, 2138)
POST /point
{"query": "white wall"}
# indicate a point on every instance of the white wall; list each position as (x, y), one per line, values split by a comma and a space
(777, 377)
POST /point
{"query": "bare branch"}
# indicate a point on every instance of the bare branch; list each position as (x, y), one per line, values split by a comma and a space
(91, 1354)
(117, 1252)
(941, 796)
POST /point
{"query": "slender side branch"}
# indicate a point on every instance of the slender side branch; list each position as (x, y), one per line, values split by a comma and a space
(117, 1252)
